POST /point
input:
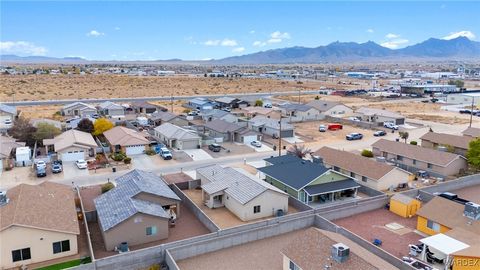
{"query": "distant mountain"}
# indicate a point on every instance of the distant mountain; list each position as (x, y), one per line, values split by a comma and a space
(458, 47)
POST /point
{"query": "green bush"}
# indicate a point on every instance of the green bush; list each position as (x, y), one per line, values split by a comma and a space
(413, 142)
(150, 152)
(127, 160)
(367, 153)
(107, 186)
(118, 156)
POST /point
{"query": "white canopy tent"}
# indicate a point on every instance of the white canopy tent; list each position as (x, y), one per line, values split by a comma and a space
(442, 246)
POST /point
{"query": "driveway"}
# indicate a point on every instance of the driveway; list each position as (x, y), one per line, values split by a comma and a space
(70, 170)
(144, 162)
(263, 148)
(292, 140)
(198, 154)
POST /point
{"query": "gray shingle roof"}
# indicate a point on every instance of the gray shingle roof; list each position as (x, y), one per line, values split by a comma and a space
(164, 116)
(222, 126)
(296, 107)
(172, 131)
(118, 204)
(283, 159)
(8, 109)
(261, 120)
(323, 105)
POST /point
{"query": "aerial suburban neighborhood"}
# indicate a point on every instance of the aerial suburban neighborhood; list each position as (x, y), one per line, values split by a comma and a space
(250, 151)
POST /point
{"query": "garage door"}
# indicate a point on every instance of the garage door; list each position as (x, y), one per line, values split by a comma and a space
(135, 150)
(73, 156)
(249, 139)
(190, 144)
(287, 133)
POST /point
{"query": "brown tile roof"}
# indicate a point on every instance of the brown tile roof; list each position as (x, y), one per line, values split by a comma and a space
(312, 250)
(472, 132)
(125, 137)
(70, 138)
(447, 139)
(7, 144)
(354, 163)
(48, 206)
(432, 156)
(449, 214)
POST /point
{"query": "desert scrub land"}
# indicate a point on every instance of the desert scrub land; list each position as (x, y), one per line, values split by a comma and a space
(43, 87)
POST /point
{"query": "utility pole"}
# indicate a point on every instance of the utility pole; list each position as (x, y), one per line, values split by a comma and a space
(171, 102)
(280, 136)
(299, 91)
(471, 112)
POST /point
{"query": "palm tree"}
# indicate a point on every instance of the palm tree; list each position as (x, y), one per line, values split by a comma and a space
(403, 135)
(299, 150)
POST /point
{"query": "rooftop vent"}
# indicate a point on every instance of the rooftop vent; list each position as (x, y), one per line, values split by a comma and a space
(472, 210)
(3, 198)
(340, 252)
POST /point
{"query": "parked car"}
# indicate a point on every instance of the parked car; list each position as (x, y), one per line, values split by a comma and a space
(95, 116)
(56, 167)
(256, 143)
(379, 133)
(40, 164)
(81, 164)
(214, 147)
(390, 125)
(227, 109)
(267, 105)
(193, 113)
(41, 171)
(335, 126)
(8, 121)
(322, 128)
(165, 153)
(354, 118)
(354, 136)
(465, 111)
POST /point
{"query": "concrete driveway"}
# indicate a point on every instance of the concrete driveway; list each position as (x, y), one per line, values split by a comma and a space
(292, 140)
(70, 170)
(198, 154)
(143, 162)
(263, 148)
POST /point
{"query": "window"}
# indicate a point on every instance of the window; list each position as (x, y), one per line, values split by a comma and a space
(414, 162)
(152, 230)
(364, 178)
(433, 225)
(61, 246)
(293, 266)
(21, 254)
(256, 209)
(399, 157)
(352, 174)
(429, 165)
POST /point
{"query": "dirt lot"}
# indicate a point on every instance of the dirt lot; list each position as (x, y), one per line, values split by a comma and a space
(310, 131)
(230, 149)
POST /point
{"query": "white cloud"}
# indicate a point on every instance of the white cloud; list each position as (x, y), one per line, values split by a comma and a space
(238, 50)
(464, 33)
(21, 48)
(259, 43)
(390, 36)
(277, 37)
(217, 42)
(95, 33)
(370, 31)
(212, 42)
(395, 43)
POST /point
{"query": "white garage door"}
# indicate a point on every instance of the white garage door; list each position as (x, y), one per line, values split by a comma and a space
(249, 139)
(73, 156)
(135, 150)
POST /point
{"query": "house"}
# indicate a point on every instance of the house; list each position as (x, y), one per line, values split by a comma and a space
(376, 175)
(330, 108)
(78, 109)
(316, 184)
(252, 111)
(230, 102)
(7, 145)
(111, 109)
(403, 205)
(137, 211)
(128, 141)
(380, 116)
(146, 108)
(414, 158)
(219, 114)
(177, 137)
(271, 127)
(241, 193)
(472, 132)
(37, 223)
(223, 131)
(296, 112)
(72, 145)
(201, 104)
(316, 248)
(160, 117)
(446, 142)
(72, 123)
(7, 113)
(57, 124)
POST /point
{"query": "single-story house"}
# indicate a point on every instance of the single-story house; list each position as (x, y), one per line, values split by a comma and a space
(37, 223)
(253, 111)
(137, 211)
(271, 127)
(111, 109)
(472, 132)
(129, 141)
(404, 205)
(451, 143)
(78, 109)
(295, 112)
(36, 121)
(7, 145)
(72, 145)
(72, 123)
(201, 104)
(160, 117)
(373, 174)
(241, 193)
(414, 158)
(146, 108)
(224, 131)
(7, 113)
(316, 184)
(231, 102)
(177, 137)
(330, 108)
(219, 114)
(379, 116)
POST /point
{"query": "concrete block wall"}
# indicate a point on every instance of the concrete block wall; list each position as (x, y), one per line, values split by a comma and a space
(298, 204)
(172, 265)
(360, 207)
(369, 191)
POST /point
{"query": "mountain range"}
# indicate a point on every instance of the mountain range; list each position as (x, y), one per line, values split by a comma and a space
(460, 48)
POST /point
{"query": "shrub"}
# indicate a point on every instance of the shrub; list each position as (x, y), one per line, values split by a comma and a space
(186, 111)
(118, 156)
(127, 160)
(367, 153)
(107, 186)
(317, 98)
(413, 142)
(150, 152)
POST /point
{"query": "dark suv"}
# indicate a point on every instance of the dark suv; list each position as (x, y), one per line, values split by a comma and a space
(214, 147)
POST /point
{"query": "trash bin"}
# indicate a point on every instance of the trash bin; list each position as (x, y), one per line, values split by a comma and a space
(274, 148)
(397, 139)
(114, 169)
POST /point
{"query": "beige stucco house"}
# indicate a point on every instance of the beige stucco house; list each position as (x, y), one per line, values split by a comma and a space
(331, 108)
(126, 140)
(37, 223)
(242, 194)
(72, 145)
(452, 143)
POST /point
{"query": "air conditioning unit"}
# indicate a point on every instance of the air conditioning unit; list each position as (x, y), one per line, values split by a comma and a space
(340, 252)
(472, 210)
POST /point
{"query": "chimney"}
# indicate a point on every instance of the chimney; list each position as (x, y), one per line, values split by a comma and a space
(472, 210)
(3, 198)
(340, 252)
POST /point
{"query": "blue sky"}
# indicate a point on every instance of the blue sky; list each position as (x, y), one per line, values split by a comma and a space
(202, 30)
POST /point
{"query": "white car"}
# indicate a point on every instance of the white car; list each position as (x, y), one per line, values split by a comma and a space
(322, 128)
(81, 164)
(256, 143)
(390, 125)
(354, 119)
(40, 164)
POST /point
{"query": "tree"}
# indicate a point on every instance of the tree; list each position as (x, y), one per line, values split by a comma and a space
(85, 125)
(101, 125)
(367, 153)
(413, 142)
(404, 135)
(258, 103)
(299, 150)
(473, 154)
(23, 131)
(457, 83)
(46, 131)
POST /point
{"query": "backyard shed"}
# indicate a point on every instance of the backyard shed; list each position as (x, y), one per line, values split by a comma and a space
(404, 206)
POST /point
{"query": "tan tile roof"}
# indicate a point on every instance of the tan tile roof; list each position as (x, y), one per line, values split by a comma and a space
(372, 111)
(312, 250)
(449, 214)
(174, 178)
(472, 132)
(447, 139)
(354, 163)
(432, 156)
(402, 198)
(70, 138)
(7, 144)
(47, 206)
(125, 137)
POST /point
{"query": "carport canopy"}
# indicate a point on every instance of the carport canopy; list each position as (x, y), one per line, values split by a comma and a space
(331, 187)
(443, 243)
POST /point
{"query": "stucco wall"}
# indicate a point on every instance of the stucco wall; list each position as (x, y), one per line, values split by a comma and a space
(269, 201)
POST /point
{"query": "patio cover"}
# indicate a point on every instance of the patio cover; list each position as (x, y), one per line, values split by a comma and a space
(444, 243)
(331, 187)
